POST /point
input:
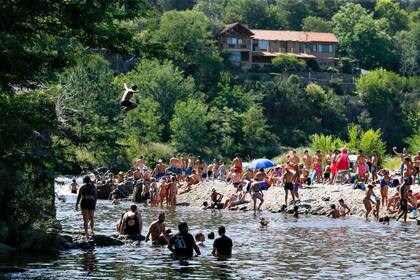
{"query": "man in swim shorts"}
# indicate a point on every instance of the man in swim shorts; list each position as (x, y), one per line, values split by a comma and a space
(126, 104)
(256, 193)
(74, 187)
(288, 178)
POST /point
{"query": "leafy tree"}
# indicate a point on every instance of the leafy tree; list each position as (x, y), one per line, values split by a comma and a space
(396, 17)
(185, 39)
(381, 93)
(367, 141)
(409, 49)
(214, 10)
(189, 126)
(163, 83)
(292, 13)
(179, 5)
(257, 138)
(258, 14)
(317, 24)
(413, 142)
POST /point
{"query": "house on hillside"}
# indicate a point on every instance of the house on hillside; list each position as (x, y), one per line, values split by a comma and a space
(250, 47)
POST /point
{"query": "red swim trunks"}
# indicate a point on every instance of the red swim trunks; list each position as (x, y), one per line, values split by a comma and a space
(238, 169)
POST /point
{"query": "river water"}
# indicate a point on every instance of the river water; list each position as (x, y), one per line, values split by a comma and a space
(308, 247)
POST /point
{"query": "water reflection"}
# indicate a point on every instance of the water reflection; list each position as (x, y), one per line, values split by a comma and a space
(89, 261)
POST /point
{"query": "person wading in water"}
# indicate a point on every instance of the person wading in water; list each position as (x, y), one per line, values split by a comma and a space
(87, 197)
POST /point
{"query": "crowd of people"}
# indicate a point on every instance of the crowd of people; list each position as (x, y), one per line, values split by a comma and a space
(162, 185)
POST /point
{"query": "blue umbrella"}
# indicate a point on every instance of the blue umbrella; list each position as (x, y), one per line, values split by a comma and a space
(261, 163)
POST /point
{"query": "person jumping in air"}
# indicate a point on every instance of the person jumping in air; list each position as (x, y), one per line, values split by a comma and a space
(126, 104)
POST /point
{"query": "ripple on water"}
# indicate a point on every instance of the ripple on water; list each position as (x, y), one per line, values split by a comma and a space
(309, 247)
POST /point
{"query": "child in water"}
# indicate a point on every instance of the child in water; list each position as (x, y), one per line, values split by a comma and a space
(334, 213)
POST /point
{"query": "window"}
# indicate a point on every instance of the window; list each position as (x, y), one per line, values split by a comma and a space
(240, 42)
(231, 41)
(301, 48)
(325, 48)
(263, 45)
(235, 56)
(313, 48)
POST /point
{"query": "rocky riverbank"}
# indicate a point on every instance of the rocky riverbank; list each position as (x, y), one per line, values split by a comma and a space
(315, 199)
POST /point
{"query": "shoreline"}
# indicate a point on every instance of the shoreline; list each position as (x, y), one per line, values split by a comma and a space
(311, 198)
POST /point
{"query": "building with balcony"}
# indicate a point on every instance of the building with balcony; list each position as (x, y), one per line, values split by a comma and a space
(250, 47)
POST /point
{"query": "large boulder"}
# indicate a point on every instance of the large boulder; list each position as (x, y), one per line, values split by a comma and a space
(6, 250)
(103, 190)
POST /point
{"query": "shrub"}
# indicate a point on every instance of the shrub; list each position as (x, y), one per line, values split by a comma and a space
(152, 152)
(285, 63)
(312, 64)
(366, 140)
(345, 65)
(325, 143)
(413, 142)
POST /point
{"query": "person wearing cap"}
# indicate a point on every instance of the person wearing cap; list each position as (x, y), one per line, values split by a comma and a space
(126, 104)
(131, 222)
(183, 244)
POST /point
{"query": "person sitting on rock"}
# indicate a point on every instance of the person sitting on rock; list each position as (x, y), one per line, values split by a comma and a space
(131, 222)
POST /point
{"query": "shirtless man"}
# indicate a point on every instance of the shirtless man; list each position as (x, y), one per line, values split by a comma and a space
(375, 165)
(288, 184)
(175, 165)
(126, 104)
(237, 164)
(195, 177)
(256, 193)
(140, 163)
(74, 187)
(361, 167)
(157, 231)
(216, 198)
(343, 208)
(294, 158)
(408, 171)
(334, 213)
(173, 191)
(260, 176)
(416, 163)
(402, 155)
(201, 166)
(190, 165)
(317, 160)
(159, 170)
(307, 160)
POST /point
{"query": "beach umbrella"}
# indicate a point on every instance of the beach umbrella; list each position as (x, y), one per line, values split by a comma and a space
(261, 163)
(352, 158)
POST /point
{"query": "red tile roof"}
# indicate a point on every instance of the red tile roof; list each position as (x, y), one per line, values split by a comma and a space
(299, 36)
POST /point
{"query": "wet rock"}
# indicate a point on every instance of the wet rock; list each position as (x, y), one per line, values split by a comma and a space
(83, 244)
(233, 208)
(37, 240)
(243, 208)
(103, 240)
(6, 250)
(305, 205)
(66, 242)
(183, 204)
(290, 211)
(314, 212)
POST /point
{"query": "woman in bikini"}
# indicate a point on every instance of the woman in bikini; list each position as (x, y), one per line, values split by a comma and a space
(87, 198)
(368, 202)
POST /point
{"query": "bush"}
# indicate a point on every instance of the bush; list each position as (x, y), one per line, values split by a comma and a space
(285, 63)
(152, 152)
(413, 142)
(367, 141)
(312, 64)
(325, 143)
(346, 66)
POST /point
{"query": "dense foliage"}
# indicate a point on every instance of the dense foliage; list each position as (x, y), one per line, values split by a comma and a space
(190, 98)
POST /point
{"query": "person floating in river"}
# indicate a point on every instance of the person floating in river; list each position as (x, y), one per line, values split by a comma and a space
(131, 222)
(183, 244)
(87, 197)
(126, 104)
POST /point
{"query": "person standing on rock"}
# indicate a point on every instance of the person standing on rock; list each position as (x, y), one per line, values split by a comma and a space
(87, 197)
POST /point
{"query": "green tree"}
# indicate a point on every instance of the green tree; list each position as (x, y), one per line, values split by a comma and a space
(325, 143)
(363, 38)
(255, 13)
(413, 142)
(409, 50)
(163, 83)
(367, 141)
(382, 93)
(258, 141)
(214, 10)
(317, 24)
(287, 63)
(396, 17)
(179, 5)
(292, 13)
(185, 39)
(189, 126)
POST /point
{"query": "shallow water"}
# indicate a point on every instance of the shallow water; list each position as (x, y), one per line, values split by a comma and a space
(308, 247)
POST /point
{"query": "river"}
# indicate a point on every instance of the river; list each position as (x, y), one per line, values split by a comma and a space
(308, 247)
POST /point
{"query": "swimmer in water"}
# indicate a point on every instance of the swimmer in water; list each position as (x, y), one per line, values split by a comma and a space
(157, 231)
(334, 213)
(74, 187)
(263, 222)
(343, 208)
